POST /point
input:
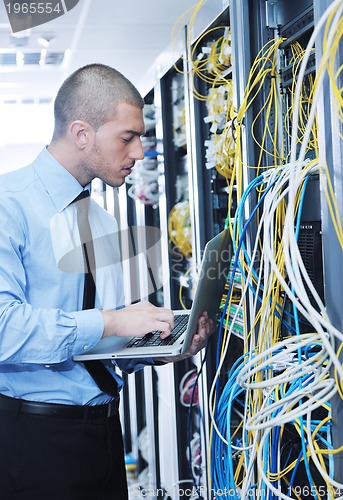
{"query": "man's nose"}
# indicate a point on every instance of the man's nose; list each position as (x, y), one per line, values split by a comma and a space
(137, 151)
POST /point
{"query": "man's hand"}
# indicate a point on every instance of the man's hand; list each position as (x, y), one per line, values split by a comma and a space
(137, 320)
(199, 340)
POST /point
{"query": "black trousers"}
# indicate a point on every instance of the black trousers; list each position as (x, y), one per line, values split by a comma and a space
(53, 458)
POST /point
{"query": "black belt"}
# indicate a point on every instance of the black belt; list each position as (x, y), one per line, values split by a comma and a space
(21, 406)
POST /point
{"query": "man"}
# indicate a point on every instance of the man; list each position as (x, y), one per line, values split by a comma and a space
(60, 435)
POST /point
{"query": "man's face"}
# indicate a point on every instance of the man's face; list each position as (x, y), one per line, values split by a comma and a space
(117, 145)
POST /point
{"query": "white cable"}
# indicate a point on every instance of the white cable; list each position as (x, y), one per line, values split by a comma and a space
(321, 393)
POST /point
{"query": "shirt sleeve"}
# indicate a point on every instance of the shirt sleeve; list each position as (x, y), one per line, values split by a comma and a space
(29, 334)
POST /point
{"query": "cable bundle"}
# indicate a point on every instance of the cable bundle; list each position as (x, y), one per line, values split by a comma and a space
(188, 389)
(220, 147)
(179, 228)
(211, 63)
(304, 103)
(144, 182)
(284, 379)
(271, 423)
(263, 88)
(144, 178)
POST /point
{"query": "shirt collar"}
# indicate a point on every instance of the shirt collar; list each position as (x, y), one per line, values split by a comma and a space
(60, 184)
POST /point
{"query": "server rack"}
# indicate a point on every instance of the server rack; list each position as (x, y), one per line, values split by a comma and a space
(138, 211)
(296, 23)
(179, 210)
(149, 405)
(252, 24)
(210, 86)
(176, 168)
(211, 174)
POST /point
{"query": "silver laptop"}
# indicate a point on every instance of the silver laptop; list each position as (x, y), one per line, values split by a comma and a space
(208, 294)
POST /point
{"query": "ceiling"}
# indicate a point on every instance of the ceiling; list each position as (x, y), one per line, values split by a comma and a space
(126, 35)
(129, 36)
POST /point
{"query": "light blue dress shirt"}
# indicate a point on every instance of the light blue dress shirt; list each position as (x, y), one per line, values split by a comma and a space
(42, 324)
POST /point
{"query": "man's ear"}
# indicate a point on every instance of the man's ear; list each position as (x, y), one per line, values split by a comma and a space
(81, 133)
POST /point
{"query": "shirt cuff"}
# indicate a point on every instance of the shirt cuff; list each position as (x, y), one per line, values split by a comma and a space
(90, 329)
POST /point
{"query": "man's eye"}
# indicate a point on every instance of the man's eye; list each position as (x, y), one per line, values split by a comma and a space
(127, 139)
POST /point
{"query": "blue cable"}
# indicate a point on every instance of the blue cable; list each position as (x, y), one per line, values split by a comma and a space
(294, 472)
(255, 183)
(222, 466)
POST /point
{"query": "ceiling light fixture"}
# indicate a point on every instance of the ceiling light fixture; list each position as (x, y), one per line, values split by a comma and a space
(45, 40)
(20, 39)
(20, 58)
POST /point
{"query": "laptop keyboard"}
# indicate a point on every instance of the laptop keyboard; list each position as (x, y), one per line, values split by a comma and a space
(154, 339)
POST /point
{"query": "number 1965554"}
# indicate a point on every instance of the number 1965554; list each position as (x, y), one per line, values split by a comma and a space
(34, 8)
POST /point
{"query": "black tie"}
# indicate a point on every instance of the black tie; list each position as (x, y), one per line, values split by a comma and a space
(97, 370)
